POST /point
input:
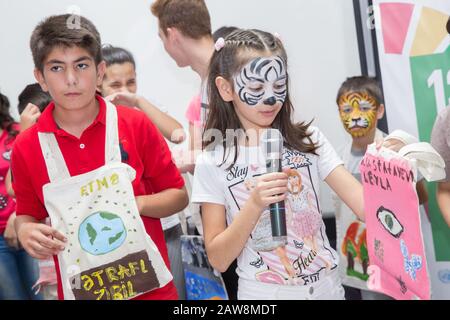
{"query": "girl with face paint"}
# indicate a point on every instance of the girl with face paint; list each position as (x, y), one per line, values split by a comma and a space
(248, 91)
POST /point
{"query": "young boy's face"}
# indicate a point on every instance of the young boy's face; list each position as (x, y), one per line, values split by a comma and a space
(119, 78)
(358, 112)
(71, 77)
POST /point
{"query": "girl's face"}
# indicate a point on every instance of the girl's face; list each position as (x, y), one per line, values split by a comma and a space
(119, 78)
(294, 184)
(260, 89)
(293, 180)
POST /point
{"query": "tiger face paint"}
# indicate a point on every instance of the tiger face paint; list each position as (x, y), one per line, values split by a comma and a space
(358, 113)
(262, 81)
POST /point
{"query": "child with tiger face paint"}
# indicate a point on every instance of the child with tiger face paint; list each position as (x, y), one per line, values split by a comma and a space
(360, 108)
(360, 103)
(248, 90)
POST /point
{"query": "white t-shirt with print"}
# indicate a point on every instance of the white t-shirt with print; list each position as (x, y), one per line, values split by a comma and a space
(308, 251)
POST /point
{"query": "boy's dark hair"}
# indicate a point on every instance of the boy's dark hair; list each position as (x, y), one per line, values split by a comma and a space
(6, 121)
(61, 31)
(115, 55)
(34, 94)
(240, 47)
(223, 32)
(448, 26)
(191, 17)
(362, 84)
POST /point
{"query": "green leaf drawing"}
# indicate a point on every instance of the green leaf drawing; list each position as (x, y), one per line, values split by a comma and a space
(351, 248)
(364, 253)
(115, 238)
(91, 233)
(106, 229)
(108, 216)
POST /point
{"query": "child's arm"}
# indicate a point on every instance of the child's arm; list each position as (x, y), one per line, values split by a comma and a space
(169, 127)
(195, 138)
(164, 203)
(225, 243)
(10, 233)
(443, 199)
(29, 116)
(185, 159)
(422, 192)
(168, 194)
(38, 239)
(348, 188)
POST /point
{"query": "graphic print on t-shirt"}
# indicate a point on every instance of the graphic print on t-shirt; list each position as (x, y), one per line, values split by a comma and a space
(7, 155)
(307, 253)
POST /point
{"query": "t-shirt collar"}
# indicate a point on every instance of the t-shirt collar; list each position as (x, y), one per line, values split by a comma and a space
(47, 123)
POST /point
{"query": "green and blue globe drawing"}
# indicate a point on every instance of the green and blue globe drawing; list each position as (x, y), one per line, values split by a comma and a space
(101, 232)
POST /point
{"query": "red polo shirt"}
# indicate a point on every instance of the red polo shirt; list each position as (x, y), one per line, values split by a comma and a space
(143, 148)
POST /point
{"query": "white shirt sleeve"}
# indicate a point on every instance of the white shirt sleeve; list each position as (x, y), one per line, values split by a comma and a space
(328, 158)
(208, 183)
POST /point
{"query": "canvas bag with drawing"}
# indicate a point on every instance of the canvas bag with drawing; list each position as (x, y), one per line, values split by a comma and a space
(109, 255)
(394, 236)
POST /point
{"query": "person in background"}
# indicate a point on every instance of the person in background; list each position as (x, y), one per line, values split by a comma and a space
(440, 140)
(119, 85)
(18, 270)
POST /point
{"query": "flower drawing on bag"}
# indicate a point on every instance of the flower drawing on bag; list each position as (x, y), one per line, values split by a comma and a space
(411, 264)
(354, 247)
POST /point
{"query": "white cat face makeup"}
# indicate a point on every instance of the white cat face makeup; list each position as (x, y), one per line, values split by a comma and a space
(262, 81)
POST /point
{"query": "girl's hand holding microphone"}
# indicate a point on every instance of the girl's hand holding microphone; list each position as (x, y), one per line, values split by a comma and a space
(270, 188)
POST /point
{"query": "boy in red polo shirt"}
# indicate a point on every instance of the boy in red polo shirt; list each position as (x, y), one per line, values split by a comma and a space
(85, 164)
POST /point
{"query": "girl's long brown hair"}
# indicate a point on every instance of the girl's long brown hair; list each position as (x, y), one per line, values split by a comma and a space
(222, 116)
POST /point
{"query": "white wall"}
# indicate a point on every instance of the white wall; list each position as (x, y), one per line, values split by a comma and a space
(319, 35)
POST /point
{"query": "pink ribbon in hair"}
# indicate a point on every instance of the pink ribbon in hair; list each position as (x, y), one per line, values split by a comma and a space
(220, 43)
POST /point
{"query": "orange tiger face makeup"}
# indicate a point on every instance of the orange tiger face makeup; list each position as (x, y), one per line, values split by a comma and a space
(358, 113)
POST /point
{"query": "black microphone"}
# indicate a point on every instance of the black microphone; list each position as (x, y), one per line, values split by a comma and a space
(272, 144)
